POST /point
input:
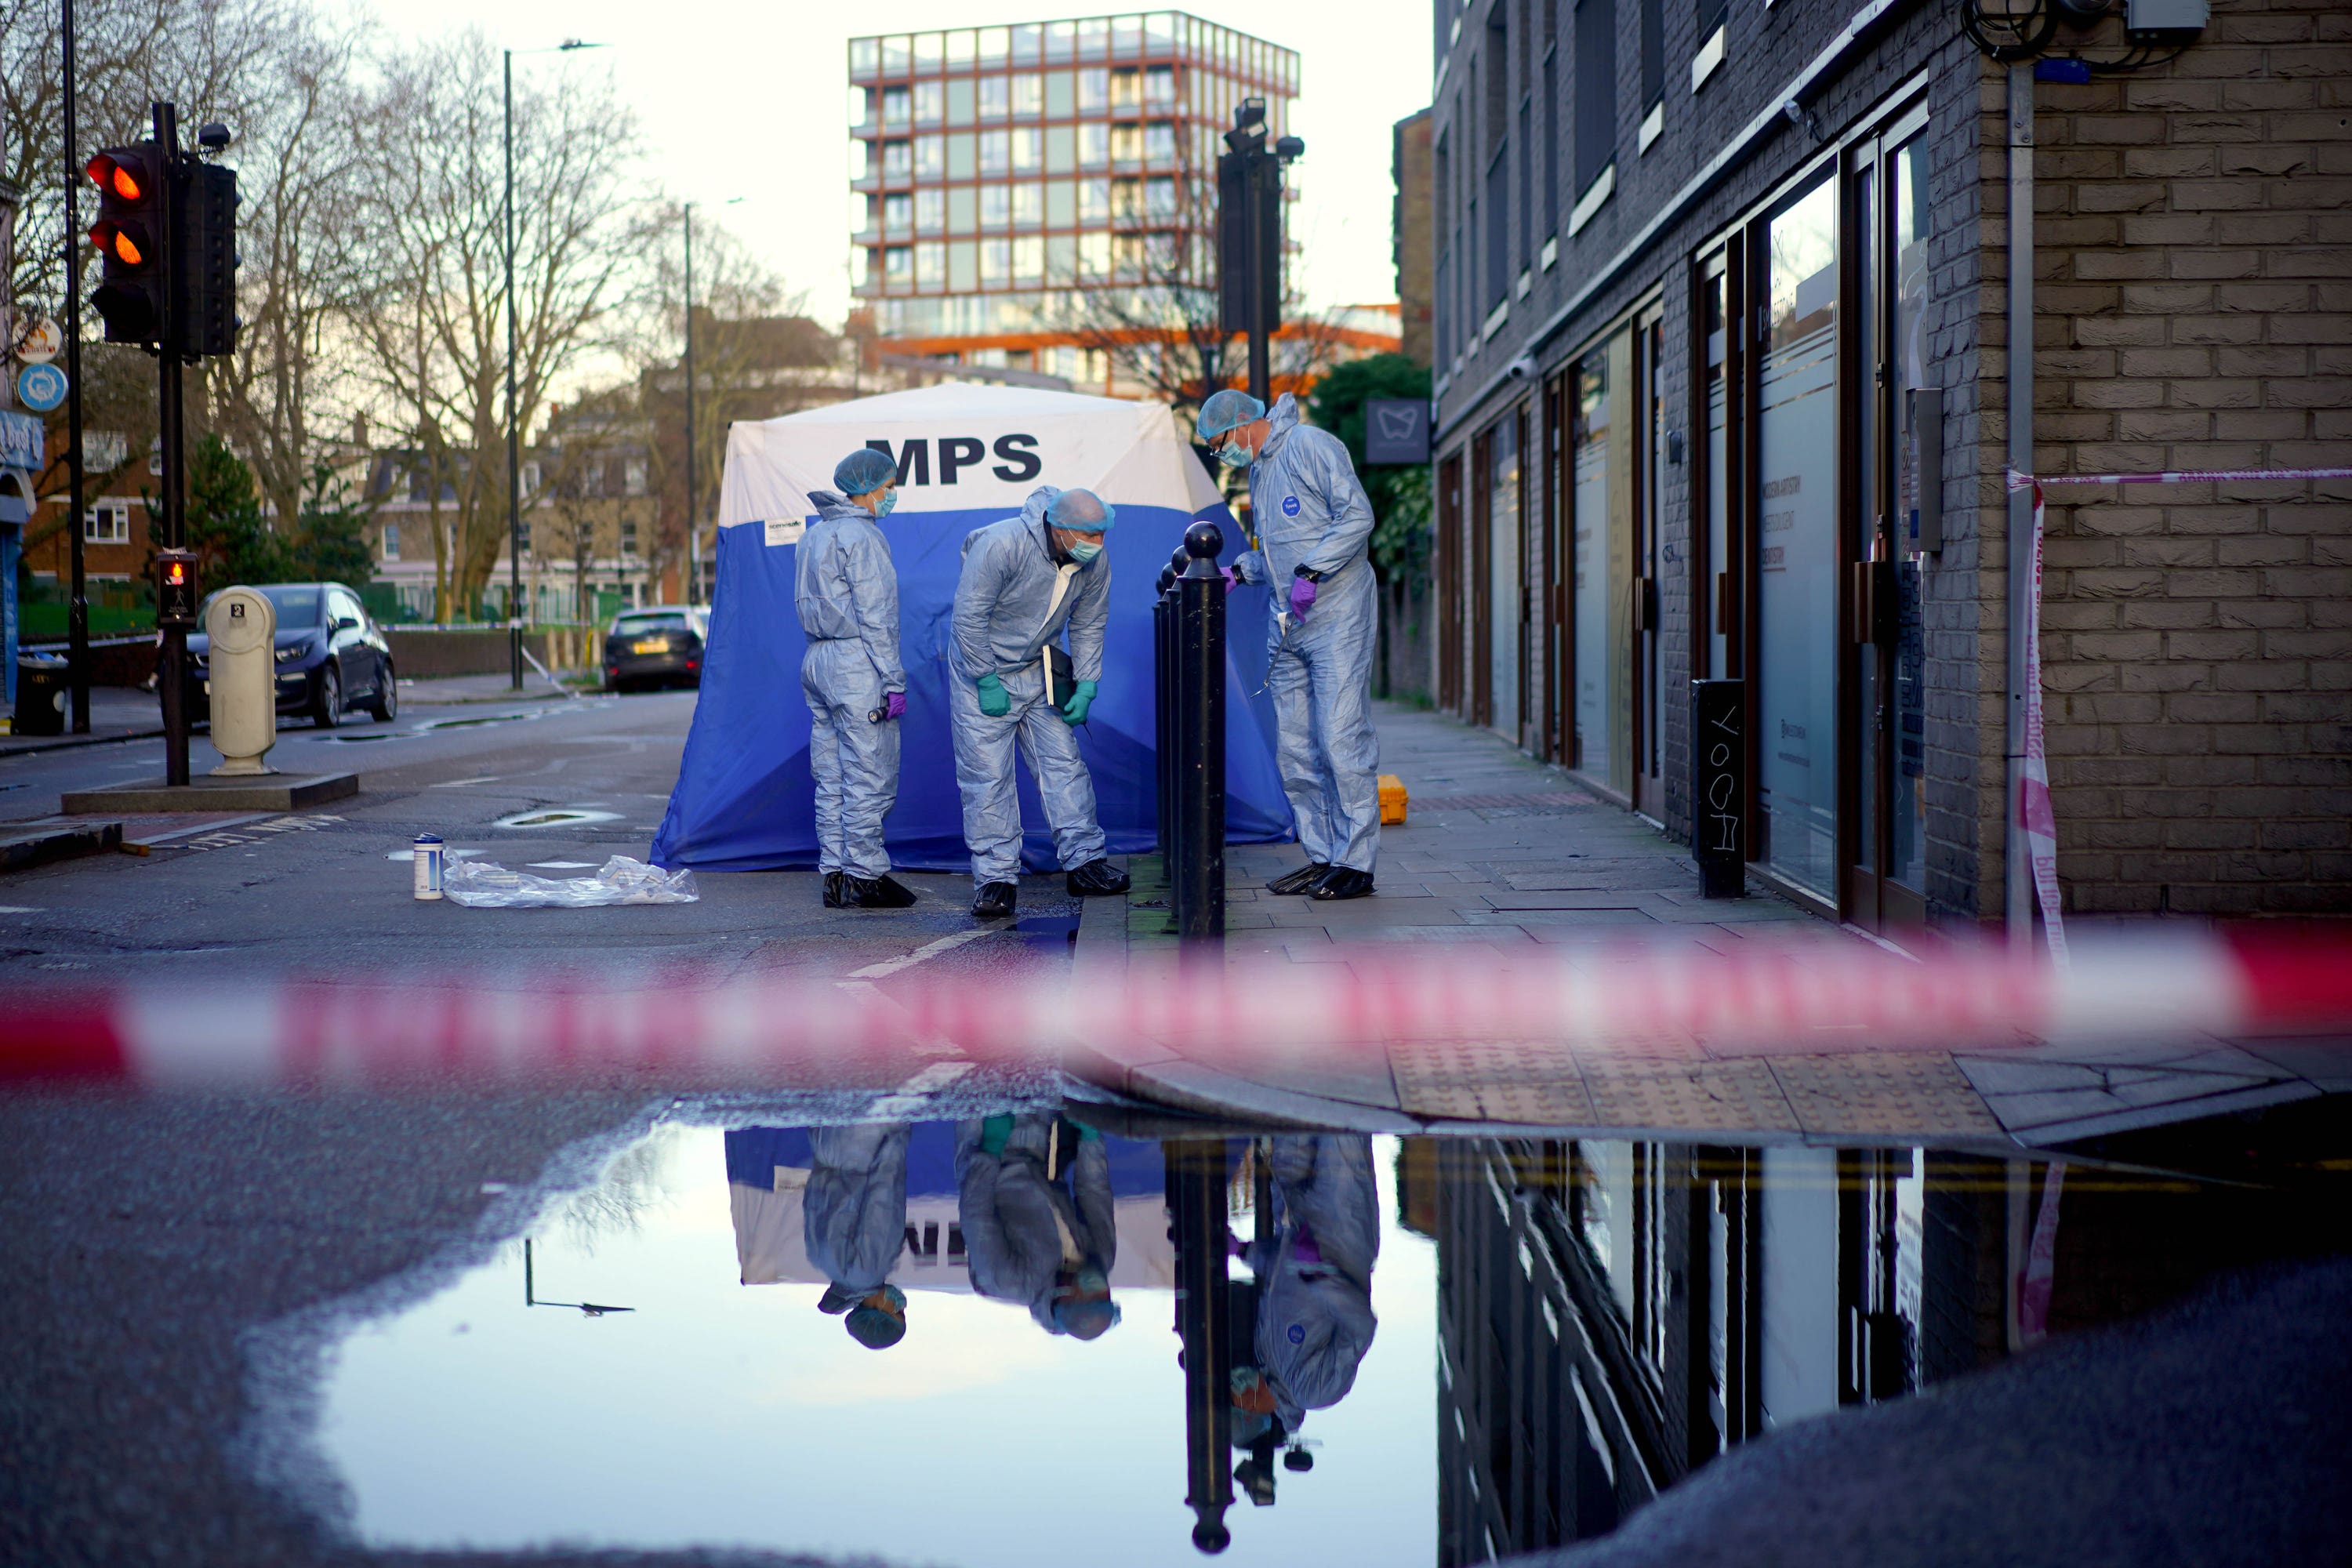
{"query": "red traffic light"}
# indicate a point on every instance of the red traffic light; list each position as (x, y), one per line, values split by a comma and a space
(175, 573)
(120, 242)
(120, 178)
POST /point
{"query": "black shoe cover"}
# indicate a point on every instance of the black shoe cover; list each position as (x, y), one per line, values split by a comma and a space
(833, 880)
(1343, 882)
(883, 892)
(1300, 880)
(994, 900)
(1097, 876)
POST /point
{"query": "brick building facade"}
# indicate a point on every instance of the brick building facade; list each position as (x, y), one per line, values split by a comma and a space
(1721, 328)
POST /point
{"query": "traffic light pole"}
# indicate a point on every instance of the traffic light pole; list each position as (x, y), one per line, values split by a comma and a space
(172, 665)
(78, 605)
(514, 437)
(1260, 168)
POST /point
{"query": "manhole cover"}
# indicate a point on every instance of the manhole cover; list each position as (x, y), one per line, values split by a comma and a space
(557, 816)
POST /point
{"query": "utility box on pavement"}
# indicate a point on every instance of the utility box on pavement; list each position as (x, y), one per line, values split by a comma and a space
(242, 661)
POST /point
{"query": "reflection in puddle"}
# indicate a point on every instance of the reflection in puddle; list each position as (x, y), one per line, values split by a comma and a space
(919, 1341)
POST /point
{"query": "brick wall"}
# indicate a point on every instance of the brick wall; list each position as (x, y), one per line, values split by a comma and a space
(1411, 234)
(2193, 309)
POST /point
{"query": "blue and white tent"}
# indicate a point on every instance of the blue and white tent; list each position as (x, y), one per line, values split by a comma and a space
(967, 455)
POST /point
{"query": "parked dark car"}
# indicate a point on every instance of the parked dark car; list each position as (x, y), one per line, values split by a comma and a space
(332, 657)
(656, 646)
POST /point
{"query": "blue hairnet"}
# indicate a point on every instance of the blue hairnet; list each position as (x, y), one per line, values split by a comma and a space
(1081, 511)
(864, 469)
(1226, 409)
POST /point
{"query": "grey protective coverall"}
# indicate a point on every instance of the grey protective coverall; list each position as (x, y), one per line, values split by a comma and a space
(854, 1212)
(845, 591)
(1001, 626)
(1022, 1228)
(1315, 1317)
(1309, 511)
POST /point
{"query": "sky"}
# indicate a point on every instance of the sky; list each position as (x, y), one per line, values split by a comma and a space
(752, 101)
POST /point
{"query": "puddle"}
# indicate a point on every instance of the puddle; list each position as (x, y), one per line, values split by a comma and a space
(1291, 1348)
(557, 816)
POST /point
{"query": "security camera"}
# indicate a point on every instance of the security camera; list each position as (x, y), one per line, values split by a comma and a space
(213, 138)
(1522, 368)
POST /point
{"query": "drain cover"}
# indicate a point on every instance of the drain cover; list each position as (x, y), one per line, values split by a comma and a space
(557, 816)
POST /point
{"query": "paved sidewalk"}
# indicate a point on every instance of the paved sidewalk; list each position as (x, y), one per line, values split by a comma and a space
(1509, 860)
(116, 713)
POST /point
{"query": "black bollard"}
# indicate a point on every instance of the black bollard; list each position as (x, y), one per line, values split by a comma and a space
(1197, 880)
(1197, 1223)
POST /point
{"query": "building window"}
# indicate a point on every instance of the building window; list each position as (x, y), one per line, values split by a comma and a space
(1094, 92)
(995, 261)
(1596, 89)
(1126, 200)
(930, 211)
(962, 107)
(1159, 198)
(1028, 150)
(996, 206)
(1126, 88)
(899, 213)
(897, 106)
(930, 104)
(1094, 201)
(530, 479)
(1028, 96)
(109, 522)
(1094, 255)
(898, 263)
(1028, 205)
(628, 536)
(1160, 142)
(995, 97)
(897, 160)
(1029, 259)
(930, 264)
(1094, 146)
(931, 156)
(632, 476)
(1159, 86)
(995, 152)
(391, 538)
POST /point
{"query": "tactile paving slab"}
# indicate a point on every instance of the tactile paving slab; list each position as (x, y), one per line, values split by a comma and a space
(1880, 1093)
(1502, 1080)
(1702, 1095)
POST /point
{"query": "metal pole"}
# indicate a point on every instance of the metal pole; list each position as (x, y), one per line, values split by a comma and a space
(1196, 1203)
(1260, 166)
(1198, 883)
(514, 436)
(77, 606)
(174, 673)
(2017, 870)
(693, 551)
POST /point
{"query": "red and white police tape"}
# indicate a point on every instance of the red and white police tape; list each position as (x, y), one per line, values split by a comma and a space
(1826, 994)
(2035, 817)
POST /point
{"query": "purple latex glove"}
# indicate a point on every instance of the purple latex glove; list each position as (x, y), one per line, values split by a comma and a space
(1232, 577)
(895, 705)
(1302, 597)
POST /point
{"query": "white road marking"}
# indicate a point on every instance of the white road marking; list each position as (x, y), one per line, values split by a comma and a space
(915, 1094)
(930, 950)
(461, 784)
(19, 909)
(563, 864)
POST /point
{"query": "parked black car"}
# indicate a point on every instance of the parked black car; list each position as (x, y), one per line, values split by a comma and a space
(656, 646)
(332, 657)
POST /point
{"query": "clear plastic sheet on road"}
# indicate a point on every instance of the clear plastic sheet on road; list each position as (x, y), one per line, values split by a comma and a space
(481, 885)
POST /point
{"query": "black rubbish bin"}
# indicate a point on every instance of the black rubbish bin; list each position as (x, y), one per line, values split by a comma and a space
(40, 694)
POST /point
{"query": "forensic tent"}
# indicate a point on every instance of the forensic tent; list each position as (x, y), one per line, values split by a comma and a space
(967, 455)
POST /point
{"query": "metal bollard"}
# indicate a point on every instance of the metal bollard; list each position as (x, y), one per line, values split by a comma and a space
(1197, 878)
(1199, 1225)
(1163, 674)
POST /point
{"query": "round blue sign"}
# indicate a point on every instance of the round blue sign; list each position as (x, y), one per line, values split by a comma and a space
(40, 388)
(1291, 506)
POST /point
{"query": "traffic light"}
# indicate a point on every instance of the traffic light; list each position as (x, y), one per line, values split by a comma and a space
(175, 588)
(204, 242)
(129, 234)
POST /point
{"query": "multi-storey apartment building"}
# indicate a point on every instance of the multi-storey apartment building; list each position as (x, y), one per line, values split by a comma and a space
(1002, 173)
(1724, 335)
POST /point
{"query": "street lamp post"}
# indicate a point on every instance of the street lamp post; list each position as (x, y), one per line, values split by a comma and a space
(514, 435)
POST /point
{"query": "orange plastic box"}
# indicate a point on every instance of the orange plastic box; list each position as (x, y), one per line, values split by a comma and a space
(1392, 801)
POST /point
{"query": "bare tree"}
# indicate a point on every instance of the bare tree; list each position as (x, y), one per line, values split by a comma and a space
(430, 316)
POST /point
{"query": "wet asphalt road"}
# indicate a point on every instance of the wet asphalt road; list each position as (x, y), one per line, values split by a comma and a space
(146, 1236)
(318, 892)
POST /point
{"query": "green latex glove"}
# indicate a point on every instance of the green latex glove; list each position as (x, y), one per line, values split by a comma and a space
(996, 1129)
(994, 700)
(1080, 700)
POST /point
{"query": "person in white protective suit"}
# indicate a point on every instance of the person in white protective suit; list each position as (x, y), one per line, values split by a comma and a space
(1314, 1273)
(1025, 582)
(1039, 1220)
(845, 591)
(1313, 521)
(853, 1225)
